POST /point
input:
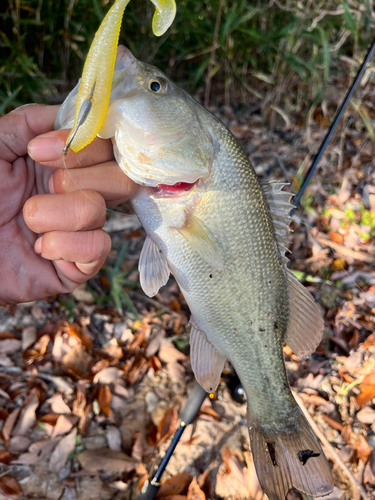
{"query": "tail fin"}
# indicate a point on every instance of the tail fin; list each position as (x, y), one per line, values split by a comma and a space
(290, 460)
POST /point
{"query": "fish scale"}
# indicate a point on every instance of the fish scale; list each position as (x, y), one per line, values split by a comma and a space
(236, 305)
(210, 223)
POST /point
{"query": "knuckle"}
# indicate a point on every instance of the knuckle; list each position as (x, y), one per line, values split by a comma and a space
(90, 210)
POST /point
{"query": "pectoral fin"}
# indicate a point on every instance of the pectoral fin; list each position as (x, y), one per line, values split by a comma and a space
(206, 361)
(305, 325)
(198, 235)
(153, 268)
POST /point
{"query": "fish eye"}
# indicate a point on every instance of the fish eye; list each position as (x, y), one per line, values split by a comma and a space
(157, 85)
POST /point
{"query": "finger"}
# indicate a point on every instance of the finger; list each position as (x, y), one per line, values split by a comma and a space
(78, 211)
(77, 256)
(46, 149)
(20, 126)
(107, 179)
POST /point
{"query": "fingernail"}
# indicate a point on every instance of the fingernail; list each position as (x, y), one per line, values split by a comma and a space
(38, 246)
(45, 148)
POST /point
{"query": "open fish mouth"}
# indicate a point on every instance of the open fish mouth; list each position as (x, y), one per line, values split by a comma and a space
(174, 190)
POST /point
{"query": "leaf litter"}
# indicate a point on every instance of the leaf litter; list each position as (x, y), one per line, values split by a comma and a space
(90, 398)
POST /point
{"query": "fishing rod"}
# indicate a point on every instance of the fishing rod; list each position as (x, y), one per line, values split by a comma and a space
(187, 416)
(198, 395)
(332, 129)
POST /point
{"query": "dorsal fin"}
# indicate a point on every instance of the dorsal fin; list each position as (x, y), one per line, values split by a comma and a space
(280, 207)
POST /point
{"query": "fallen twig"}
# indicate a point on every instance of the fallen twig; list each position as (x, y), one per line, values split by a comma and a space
(340, 249)
(330, 451)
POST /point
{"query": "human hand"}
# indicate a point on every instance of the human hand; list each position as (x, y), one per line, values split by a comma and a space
(50, 230)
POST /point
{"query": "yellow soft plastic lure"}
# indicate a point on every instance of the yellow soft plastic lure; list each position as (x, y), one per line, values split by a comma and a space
(96, 81)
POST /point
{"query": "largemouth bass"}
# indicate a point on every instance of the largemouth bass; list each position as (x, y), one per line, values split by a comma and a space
(222, 235)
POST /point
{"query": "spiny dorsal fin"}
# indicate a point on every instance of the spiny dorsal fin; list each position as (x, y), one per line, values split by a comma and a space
(153, 268)
(201, 239)
(206, 361)
(280, 207)
(305, 325)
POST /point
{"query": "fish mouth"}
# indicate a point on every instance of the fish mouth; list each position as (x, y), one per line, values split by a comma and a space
(174, 190)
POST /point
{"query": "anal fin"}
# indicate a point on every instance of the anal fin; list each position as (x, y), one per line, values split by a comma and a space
(305, 325)
(290, 459)
(153, 268)
(206, 361)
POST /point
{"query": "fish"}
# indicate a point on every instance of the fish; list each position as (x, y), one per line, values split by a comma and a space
(222, 234)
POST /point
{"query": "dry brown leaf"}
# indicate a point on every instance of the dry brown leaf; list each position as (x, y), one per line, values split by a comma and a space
(62, 451)
(370, 341)
(104, 399)
(42, 344)
(233, 466)
(28, 337)
(7, 429)
(333, 423)
(154, 344)
(10, 346)
(137, 449)
(154, 363)
(9, 487)
(312, 399)
(337, 237)
(176, 371)
(79, 404)
(106, 460)
(7, 335)
(3, 414)
(174, 485)
(363, 448)
(152, 435)
(207, 410)
(64, 424)
(138, 369)
(169, 354)
(167, 425)
(112, 352)
(225, 457)
(346, 433)
(77, 332)
(77, 360)
(37, 451)
(5, 457)
(176, 497)
(114, 438)
(107, 375)
(194, 492)
(58, 405)
(19, 444)
(367, 390)
(369, 473)
(27, 417)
